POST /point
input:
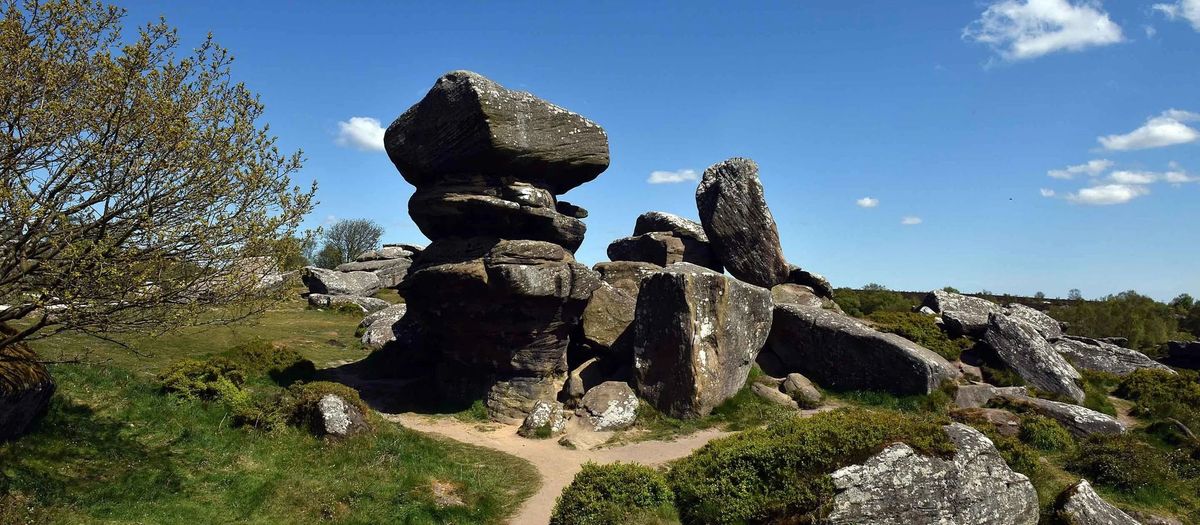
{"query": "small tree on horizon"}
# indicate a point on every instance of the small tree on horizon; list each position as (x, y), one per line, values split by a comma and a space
(1075, 295)
(347, 238)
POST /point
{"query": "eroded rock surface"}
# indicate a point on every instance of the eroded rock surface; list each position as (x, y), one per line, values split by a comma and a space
(663, 249)
(657, 221)
(332, 282)
(962, 314)
(611, 405)
(1080, 505)
(1050, 328)
(1094, 354)
(738, 223)
(1023, 348)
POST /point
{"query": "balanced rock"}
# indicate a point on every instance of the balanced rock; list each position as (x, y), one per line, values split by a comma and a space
(1080, 421)
(611, 405)
(738, 223)
(366, 304)
(1094, 354)
(657, 221)
(842, 353)
(25, 389)
(1024, 349)
(962, 314)
(605, 324)
(663, 249)
(697, 333)
(478, 206)
(546, 419)
(332, 282)
(1080, 505)
(899, 486)
(817, 282)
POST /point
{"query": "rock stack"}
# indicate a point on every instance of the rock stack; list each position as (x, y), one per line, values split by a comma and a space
(498, 291)
(355, 282)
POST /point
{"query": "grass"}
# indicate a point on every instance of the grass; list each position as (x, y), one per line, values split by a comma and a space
(115, 448)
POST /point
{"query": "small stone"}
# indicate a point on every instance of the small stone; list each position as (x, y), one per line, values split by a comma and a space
(773, 395)
(338, 418)
(802, 390)
(545, 420)
(611, 405)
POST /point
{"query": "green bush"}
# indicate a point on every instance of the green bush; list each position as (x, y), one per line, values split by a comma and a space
(872, 298)
(295, 406)
(211, 379)
(282, 364)
(1045, 434)
(1121, 462)
(1147, 323)
(1096, 386)
(1161, 395)
(614, 494)
(783, 470)
(921, 329)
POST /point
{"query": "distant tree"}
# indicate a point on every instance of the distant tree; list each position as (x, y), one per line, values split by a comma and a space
(1145, 322)
(351, 237)
(1039, 295)
(874, 287)
(329, 257)
(1182, 304)
(1075, 295)
(296, 251)
(136, 182)
(984, 291)
(951, 289)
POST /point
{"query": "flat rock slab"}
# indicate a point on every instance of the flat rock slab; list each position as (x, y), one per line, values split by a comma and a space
(658, 221)
(1080, 421)
(1023, 348)
(332, 282)
(738, 223)
(838, 352)
(963, 314)
(1093, 354)
(663, 249)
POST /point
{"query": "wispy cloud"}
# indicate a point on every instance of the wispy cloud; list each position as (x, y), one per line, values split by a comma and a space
(1026, 29)
(1186, 9)
(362, 133)
(1091, 167)
(1167, 129)
(911, 221)
(1046, 192)
(1133, 177)
(1108, 194)
(867, 202)
(672, 177)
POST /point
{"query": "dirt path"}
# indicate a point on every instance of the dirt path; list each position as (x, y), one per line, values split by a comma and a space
(556, 463)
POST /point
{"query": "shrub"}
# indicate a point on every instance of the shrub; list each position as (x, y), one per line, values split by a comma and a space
(1161, 395)
(614, 494)
(211, 379)
(783, 469)
(1145, 322)
(296, 406)
(1045, 434)
(282, 364)
(872, 298)
(1121, 462)
(920, 329)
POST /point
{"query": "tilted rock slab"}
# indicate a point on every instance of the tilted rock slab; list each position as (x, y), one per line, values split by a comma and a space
(1049, 327)
(1024, 349)
(331, 282)
(658, 221)
(1080, 421)
(1093, 354)
(379, 328)
(738, 223)
(697, 333)
(898, 486)
(1080, 505)
(606, 322)
(626, 275)
(841, 353)
(962, 314)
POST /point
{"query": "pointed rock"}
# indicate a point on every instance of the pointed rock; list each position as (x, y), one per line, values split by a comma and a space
(738, 223)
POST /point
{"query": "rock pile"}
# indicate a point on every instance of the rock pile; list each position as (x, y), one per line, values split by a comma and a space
(355, 282)
(498, 291)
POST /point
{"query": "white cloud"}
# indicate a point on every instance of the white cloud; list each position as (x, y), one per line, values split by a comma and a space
(867, 202)
(1133, 177)
(1150, 31)
(1047, 192)
(1186, 9)
(911, 221)
(1025, 29)
(1167, 129)
(363, 133)
(671, 177)
(1179, 177)
(1091, 167)
(1108, 194)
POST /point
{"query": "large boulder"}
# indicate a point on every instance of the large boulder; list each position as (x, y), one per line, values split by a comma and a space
(899, 486)
(626, 275)
(697, 333)
(1094, 354)
(657, 221)
(605, 324)
(1183, 354)
(476, 206)
(788, 293)
(802, 390)
(468, 124)
(379, 328)
(663, 249)
(389, 271)
(611, 405)
(1050, 328)
(1080, 505)
(1080, 421)
(25, 389)
(366, 304)
(841, 353)
(738, 223)
(332, 282)
(962, 314)
(1024, 349)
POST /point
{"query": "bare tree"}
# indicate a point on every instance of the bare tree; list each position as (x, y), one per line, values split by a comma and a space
(135, 184)
(350, 237)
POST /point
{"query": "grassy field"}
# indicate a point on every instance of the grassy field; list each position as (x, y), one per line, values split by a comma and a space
(115, 449)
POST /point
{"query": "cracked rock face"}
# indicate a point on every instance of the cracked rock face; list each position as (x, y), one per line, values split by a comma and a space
(963, 315)
(697, 333)
(1093, 354)
(1050, 328)
(611, 405)
(1024, 349)
(1080, 505)
(738, 223)
(901, 487)
(838, 352)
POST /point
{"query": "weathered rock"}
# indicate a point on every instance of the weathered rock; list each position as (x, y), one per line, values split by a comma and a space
(1028, 353)
(657, 221)
(819, 284)
(611, 405)
(606, 322)
(1119, 341)
(545, 420)
(626, 275)
(1050, 328)
(413, 249)
(468, 124)
(1082, 422)
(366, 304)
(663, 249)
(379, 328)
(788, 293)
(802, 390)
(372, 265)
(963, 315)
(1093, 354)
(338, 418)
(842, 353)
(570, 210)
(977, 396)
(1145, 518)
(510, 400)
(25, 389)
(387, 252)
(477, 207)
(898, 486)
(331, 282)
(1006, 423)
(1080, 505)
(738, 223)
(697, 333)
(1183, 354)
(587, 375)
(773, 395)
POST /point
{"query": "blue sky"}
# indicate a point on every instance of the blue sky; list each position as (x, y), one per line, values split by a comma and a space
(913, 144)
